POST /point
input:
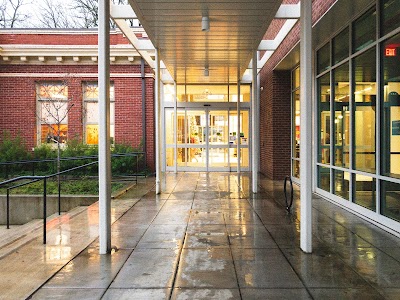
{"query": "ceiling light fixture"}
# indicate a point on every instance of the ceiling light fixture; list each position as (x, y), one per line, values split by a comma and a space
(206, 71)
(205, 23)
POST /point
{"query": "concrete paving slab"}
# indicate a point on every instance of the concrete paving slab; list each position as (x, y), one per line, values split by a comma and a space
(197, 294)
(68, 294)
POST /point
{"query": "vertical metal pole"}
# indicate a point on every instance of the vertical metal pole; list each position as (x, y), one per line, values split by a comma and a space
(44, 209)
(8, 208)
(143, 74)
(59, 195)
(306, 126)
(158, 121)
(238, 122)
(104, 128)
(175, 128)
(254, 120)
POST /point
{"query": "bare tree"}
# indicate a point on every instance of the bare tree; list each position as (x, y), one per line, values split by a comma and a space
(88, 11)
(52, 112)
(54, 14)
(11, 13)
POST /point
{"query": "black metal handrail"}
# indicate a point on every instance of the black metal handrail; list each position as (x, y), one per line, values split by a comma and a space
(36, 178)
(33, 162)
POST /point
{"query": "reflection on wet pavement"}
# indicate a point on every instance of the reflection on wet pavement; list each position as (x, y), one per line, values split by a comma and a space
(207, 237)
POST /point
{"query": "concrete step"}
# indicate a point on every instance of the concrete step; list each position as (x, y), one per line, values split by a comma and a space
(18, 235)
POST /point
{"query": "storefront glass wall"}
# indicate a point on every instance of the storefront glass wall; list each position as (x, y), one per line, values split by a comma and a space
(296, 123)
(358, 100)
(206, 136)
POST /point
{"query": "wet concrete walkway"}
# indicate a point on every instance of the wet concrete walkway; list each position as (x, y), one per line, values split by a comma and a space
(206, 238)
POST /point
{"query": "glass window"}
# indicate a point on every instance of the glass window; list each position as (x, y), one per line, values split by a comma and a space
(324, 178)
(324, 119)
(169, 92)
(342, 116)
(296, 122)
(390, 200)
(341, 184)
(245, 92)
(323, 58)
(206, 93)
(390, 15)
(365, 191)
(341, 46)
(296, 78)
(212, 93)
(296, 168)
(169, 126)
(52, 111)
(364, 30)
(390, 149)
(365, 104)
(91, 113)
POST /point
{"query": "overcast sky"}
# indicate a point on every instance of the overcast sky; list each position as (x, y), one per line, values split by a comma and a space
(33, 9)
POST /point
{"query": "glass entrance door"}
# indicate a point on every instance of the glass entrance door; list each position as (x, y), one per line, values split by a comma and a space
(206, 139)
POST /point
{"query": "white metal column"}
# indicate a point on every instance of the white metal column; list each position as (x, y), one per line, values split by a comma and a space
(306, 126)
(104, 128)
(238, 123)
(175, 128)
(158, 123)
(254, 123)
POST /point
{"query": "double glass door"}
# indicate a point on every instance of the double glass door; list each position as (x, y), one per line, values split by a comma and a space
(206, 139)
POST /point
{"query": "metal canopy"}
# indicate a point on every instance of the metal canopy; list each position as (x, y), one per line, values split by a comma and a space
(236, 29)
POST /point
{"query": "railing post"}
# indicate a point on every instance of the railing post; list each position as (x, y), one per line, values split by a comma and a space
(44, 209)
(59, 195)
(8, 208)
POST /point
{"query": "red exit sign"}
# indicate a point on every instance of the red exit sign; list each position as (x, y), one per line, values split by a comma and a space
(390, 52)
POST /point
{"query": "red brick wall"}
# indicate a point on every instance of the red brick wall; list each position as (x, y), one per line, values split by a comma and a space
(37, 38)
(275, 101)
(17, 102)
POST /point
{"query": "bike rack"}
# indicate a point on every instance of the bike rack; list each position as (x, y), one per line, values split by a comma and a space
(287, 202)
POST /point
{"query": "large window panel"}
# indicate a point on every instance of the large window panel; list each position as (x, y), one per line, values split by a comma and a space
(52, 111)
(342, 116)
(323, 58)
(390, 150)
(364, 30)
(324, 119)
(365, 106)
(324, 180)
(296, 122)
(365, 191)
(390, 15)
(390, 203)
(341, 46)
(341, 184)
(91, 113)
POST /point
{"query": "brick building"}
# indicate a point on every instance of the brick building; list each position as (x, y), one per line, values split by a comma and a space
(37, 65)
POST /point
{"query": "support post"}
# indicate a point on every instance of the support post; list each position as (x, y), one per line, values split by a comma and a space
(238, 122)
(104, 128)
(254, 123)
(144, 135)
(158, 121)
(306, 126)
(175, 128)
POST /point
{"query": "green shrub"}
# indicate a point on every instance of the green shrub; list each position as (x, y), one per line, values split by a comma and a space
(13, 149)
(42, 152)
